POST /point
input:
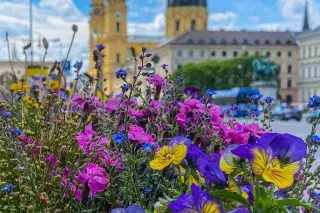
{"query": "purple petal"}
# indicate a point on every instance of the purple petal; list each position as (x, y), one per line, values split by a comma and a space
(240, 210)
(180, 140)
(212, 171)
(243, 151)
(199, 197)
(183, 204)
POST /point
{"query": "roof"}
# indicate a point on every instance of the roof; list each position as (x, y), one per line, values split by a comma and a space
(183, 3)
(243, 37)
(146, 39)
(235, 92)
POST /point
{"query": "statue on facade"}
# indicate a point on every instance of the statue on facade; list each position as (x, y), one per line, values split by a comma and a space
(264, 70)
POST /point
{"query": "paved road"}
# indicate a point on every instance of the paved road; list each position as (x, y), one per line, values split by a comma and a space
(301, 129)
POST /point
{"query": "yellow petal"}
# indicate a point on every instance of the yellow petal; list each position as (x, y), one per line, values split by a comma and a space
(179, 152)
(159, 163)
(293, 167)
(163, 152)
(282, 178)
(211, 207)
(224, 166)
(260, 161)
(233, 187)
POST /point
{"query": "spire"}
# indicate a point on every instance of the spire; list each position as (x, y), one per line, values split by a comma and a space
(306, 18)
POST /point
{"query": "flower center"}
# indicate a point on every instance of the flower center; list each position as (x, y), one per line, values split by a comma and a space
(169, 157)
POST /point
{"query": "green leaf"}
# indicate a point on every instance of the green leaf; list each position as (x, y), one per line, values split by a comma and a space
(291, 202)
(231, 195)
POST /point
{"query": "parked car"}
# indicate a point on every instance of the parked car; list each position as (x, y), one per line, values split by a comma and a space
(312, 115)
(286, 113)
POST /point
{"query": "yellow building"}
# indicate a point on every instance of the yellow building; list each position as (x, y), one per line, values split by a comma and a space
(108, 26)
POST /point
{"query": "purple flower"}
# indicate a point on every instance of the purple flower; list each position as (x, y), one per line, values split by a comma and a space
(210, 92)
(164, 66)
(52, 161)
(130, 209)
(268, 100)
(197, 202)
(240, 210)
(194, 154)
(88, 104)
(5, 114)
(212, 172)
(157, 80)
(315, 138)
(16, 131)
(286, 147)
(125, 88)
(100, 47)
(314, 102)
(121, 73)
(180, 140)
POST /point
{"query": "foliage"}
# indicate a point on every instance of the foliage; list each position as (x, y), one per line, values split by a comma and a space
(66, 150)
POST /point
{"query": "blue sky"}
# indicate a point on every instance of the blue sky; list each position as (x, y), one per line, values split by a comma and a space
(53, 19)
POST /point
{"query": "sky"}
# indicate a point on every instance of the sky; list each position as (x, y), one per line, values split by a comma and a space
(53, 19)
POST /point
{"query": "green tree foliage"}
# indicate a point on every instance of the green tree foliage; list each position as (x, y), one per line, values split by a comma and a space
(218, 75)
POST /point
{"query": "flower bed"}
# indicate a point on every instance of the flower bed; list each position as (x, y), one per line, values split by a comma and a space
(66, 151)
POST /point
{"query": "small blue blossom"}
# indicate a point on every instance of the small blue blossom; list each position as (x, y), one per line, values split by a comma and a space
(314, 102)
(315, 138)
(210, 92)
(16, 131)
(125, 88)
(121, 73)
(147, 189)
(268, 100)
(255, 113)
(234, 107)
(78, 65)
(100, 47)
(147, 147)
(256, 97)
(8, 187)
(119, 137)
(6, 114)
(164, 66)
(315, 195)
(203, 99)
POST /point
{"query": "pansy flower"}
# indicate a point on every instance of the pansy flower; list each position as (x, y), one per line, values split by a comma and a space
(199, 202)
(130, 209)
(168, 155)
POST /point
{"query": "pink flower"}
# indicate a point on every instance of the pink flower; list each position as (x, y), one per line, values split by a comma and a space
(137, 133)
(96, 178)
(87, 140)
(157, 80)
(135, 113)
(51, 160)
(109, 158)
(156, 105)
(72, 186)
(111, 105)
(89, 104)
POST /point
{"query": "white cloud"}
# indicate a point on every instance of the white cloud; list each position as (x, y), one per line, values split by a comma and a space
(223, 17)
(156, 27)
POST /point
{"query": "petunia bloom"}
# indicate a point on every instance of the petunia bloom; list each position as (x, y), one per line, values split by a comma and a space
(167, 155)
(199, 202)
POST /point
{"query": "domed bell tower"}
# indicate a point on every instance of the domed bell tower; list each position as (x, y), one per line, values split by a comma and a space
(186, 15)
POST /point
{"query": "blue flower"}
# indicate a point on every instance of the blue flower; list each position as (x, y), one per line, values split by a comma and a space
(210, 92)
(268, 100)
(8, 187)
(5, 114)
(164, 66)
(147, 147)
(203, 99)
(100, 47)
(78, 65)
(119, 137)
(314, 102)
(125, 88)
(256, 97)
(121, 73)
(147, 189)
(315, 138)
(234, 107)
(16, 131)
(315, 195)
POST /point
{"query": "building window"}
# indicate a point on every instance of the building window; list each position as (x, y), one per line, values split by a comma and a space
(224, 54)
(268, 54)
(193, 24)
(289, 54)
(289, 84)
(315, 50)
(118, 26)
(191, 53)
(202, 53)
(279, 82)
(118, 57)
(279, 54)
(179, 53)
(309, 73)
(177, 25)
(235, 54)
(310, 52)
(289, 69)
(213, 53)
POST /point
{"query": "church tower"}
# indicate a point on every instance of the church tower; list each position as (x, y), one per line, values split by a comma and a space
(305, 25)
(186, 15)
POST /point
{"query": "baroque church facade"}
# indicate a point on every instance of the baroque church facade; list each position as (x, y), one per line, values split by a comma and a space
(108, 26)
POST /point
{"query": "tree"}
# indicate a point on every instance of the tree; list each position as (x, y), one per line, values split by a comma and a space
(218, 75)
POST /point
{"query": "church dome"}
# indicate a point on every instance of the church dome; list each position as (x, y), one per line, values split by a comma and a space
(183, 3)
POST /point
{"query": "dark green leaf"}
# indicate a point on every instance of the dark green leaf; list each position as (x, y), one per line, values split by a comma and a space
(291, 202)
(231, 195)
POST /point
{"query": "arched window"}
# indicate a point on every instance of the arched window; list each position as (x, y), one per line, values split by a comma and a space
(179, 53)
(190, 41)
(257, 42)
(193, 24)
(267, 42)
(191, 53)
(202, 53)
(224, 54)
(118, 57)
(212, 41)
(234, 41)
(118, 26)
(289, 69)
(177, 25)
(213, 53)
